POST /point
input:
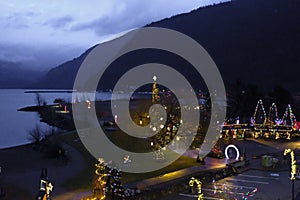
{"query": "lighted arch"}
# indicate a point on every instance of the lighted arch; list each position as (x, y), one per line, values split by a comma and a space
(236, 149)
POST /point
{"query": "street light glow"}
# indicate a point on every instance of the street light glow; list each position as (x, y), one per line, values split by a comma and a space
(154, 78)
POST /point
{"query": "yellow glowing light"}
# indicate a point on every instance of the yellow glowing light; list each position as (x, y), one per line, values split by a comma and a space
(277, 136)
(288, 136)
(154, 78)
(293, 162)
(199, 187)
(88, 104)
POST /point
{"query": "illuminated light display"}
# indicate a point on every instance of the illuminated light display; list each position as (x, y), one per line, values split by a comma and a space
(88, 102)
(278, 121)
(261, 106)
(99, 189)
(277, 136)
(232, 190)
(155, 97)
(273, 113)
(288, 115)
(293, 168)
(236, 149)
(293, 162)
(199, 187)
(46, 186)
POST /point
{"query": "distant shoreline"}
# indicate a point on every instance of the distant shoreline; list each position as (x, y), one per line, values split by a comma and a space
(49, 91)
(17, 146)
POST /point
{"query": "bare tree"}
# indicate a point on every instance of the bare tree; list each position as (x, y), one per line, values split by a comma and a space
(39, 100)
(35, 135)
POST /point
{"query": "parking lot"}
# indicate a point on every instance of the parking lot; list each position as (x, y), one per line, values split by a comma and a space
(252, 184)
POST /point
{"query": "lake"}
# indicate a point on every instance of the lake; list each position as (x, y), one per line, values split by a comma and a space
(14, 125)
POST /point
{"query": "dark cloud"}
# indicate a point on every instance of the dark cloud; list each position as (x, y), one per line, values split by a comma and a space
(36, 36)
(38, 58)
(129, 16)
(60, 22)
(134, 14)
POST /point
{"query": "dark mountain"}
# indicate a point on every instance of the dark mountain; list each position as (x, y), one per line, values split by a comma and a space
(250, 40)
(12, 75)
(63, 76)
(253, 41)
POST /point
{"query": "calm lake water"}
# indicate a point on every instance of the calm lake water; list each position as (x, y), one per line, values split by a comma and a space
(14, 124)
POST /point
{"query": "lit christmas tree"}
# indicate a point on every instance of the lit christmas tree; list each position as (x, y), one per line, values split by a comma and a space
(288, 117)
(118, 191)
(273, 114)
(100, 190)
(259, 113)
(155, 91)
(108, 183)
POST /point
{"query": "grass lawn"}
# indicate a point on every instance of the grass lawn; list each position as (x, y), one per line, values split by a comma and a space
(84, 180)
(181, 163)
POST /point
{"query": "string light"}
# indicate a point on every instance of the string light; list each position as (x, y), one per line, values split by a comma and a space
(199, 187)
(232, 190)
(288, 113)
(260, 104)
(108, 183)
(293, 162)
(272, 109)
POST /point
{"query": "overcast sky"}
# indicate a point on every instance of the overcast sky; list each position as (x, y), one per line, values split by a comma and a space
(46, 33)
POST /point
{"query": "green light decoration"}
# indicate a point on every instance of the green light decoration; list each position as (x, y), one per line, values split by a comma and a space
(260, 115)
(288, 117)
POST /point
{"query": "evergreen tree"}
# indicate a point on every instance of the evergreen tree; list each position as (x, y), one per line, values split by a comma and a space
(118, 191)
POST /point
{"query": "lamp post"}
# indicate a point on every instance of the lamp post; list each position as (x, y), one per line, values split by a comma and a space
(293, 169)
